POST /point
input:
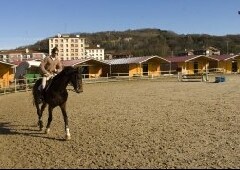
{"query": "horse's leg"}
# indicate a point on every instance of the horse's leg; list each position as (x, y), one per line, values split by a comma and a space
(65, 117)
(50, 109)
(40, 112)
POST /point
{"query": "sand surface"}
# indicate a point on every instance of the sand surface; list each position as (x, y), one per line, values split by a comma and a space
(131, 124)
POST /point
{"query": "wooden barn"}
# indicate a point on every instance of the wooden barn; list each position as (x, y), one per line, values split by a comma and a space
(194, 64)
(92, 68)
(227, 63)
(6, 74)
(136, 66)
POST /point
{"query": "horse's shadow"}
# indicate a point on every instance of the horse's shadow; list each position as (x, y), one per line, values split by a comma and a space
(7, 129)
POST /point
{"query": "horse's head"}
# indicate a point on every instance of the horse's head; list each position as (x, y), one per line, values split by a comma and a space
(76, 80)
(75, 75)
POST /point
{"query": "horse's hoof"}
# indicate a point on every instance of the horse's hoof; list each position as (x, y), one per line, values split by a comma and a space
(40, 124)
(68, 137)
(40, 128)
(47, 131)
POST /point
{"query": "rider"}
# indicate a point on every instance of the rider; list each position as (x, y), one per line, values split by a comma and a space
(49, 66)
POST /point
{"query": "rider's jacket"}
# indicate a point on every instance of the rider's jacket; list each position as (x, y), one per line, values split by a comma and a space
(50, 65)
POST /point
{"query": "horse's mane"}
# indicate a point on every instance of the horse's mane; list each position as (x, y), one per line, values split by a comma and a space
(66, 70)
(63, 72)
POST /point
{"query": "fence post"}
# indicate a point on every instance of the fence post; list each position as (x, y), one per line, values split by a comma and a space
(5, 86)
(15, 85)
(26, 83)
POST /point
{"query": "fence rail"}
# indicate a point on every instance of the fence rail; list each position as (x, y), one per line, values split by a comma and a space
(26, 84)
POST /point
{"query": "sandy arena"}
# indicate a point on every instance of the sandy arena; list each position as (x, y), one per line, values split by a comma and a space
(131, 124)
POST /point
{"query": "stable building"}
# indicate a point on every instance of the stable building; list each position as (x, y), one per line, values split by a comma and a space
(6, 74)
(136, 66)
(91, 68)
(193, 64)
(227, 64)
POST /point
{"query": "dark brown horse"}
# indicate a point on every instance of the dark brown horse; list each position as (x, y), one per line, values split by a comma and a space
(55, 94)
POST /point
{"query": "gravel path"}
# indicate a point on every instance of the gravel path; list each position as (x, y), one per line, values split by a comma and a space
(136, 124)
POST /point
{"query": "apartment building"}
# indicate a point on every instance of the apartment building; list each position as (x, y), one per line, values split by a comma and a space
(95, 52)
(20, 55)
(71, 47)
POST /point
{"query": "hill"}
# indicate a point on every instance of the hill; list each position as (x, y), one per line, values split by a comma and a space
(143, 42)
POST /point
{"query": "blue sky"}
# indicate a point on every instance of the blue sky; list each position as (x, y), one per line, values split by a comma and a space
(25, 22)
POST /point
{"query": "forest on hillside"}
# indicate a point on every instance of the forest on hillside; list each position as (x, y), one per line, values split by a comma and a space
(144, 42)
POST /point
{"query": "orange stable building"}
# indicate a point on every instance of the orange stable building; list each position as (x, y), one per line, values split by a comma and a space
(6, 74)
(92, 68)
(137, 66)
(193, 64)
(227, 63)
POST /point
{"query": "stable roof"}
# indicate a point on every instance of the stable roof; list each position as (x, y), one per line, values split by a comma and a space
(7, 63)
(188, 58)
(81, 61)
(225, 57)
(134, 60)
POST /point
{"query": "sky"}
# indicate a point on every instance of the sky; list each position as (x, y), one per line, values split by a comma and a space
(24, 22)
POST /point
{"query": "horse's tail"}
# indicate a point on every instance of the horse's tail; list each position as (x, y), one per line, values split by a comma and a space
(35, 93)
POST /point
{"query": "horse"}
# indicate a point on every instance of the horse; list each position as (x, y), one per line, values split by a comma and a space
(55, 94)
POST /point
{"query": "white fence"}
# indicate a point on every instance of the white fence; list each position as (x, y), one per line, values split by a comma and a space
(26, 84)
